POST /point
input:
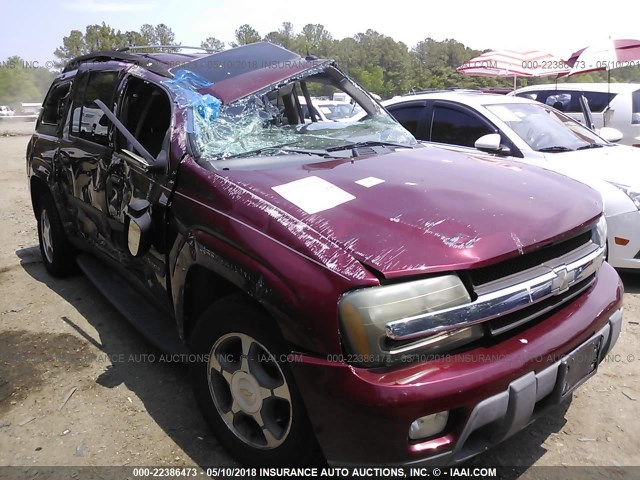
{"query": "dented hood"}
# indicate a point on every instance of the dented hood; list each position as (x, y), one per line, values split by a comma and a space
(427, 209)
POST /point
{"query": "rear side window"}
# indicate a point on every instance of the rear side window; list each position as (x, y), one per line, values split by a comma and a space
(598, 101)
(635, 104)
(568, 101)
(88, 121)
(54, 106)
(560, 101)
(529, 95)
(408, 117)
(455, 127)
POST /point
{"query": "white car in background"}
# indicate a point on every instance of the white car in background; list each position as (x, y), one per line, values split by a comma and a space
(6, 111)
(615, 105)
(532, 132)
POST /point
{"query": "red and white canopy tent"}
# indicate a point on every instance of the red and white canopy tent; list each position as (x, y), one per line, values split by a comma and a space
(605, 56)
(512, 63)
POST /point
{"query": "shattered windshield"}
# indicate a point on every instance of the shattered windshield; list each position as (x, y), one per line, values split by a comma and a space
(273, 121)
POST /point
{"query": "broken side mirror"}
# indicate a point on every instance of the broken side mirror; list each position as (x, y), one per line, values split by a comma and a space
(138, 227)
(491, 143)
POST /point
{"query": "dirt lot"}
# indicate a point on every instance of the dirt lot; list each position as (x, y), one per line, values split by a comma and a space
(16, 125)
(78, 385)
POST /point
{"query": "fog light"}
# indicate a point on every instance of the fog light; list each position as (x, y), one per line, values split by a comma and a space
(428, 426)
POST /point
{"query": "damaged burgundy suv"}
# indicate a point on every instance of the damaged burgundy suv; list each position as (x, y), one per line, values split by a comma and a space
(340, 290)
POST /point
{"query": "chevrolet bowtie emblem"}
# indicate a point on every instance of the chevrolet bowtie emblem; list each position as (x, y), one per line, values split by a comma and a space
(563, 280)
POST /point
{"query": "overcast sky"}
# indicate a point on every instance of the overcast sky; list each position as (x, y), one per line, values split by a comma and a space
(34, 28)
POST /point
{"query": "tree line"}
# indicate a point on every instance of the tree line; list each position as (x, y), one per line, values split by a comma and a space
(378, 62)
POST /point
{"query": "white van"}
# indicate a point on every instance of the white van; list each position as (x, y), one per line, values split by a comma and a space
(615, 105)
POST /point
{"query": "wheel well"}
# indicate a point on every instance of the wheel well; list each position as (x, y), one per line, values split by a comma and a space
(202, 288)
(38, 189)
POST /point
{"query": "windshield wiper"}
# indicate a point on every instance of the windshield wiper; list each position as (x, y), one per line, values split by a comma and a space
(555, 148)
(256, 151)
(591, 145)
(371, 143)
(282, 147)
(306, 150)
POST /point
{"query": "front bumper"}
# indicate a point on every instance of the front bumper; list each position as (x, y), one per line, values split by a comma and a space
(509, 411)
(362, 416)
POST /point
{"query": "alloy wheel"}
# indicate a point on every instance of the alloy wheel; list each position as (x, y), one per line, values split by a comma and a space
(249, 391)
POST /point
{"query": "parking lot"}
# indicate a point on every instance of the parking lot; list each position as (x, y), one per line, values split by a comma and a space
(79, 386)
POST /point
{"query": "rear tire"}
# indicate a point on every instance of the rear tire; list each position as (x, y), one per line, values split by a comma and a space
(58, 255)
(246, 392)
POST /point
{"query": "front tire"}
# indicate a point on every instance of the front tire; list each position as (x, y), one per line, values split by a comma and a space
(57, 253)
(246, 390)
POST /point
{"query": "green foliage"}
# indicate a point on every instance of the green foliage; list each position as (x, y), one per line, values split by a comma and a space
(213, 44)
(164, 36)
(104, 37)
(246, 34)
(314, 40)
(158, 35)
(285, 36)
(381, 64)
(72, 46)
(372, 80)
(21, 83)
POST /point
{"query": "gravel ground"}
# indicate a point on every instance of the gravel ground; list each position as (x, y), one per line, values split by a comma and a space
(80, 387)
(16, 126)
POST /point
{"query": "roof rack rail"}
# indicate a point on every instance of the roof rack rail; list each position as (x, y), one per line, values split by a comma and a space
(142, 47)
(439, 90)
(147, 63)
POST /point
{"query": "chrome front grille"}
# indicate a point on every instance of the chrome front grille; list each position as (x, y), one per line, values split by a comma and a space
(513, 320)
(520, 296)
(481, 276)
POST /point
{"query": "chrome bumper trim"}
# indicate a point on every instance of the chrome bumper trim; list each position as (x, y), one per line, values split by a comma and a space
(555, 281)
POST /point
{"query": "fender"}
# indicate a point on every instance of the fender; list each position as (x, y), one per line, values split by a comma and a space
(273, 258)
(290, 304)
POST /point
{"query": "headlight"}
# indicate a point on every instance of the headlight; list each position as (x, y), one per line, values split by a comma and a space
(600, 233)
(365, 313)
(632, 192)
